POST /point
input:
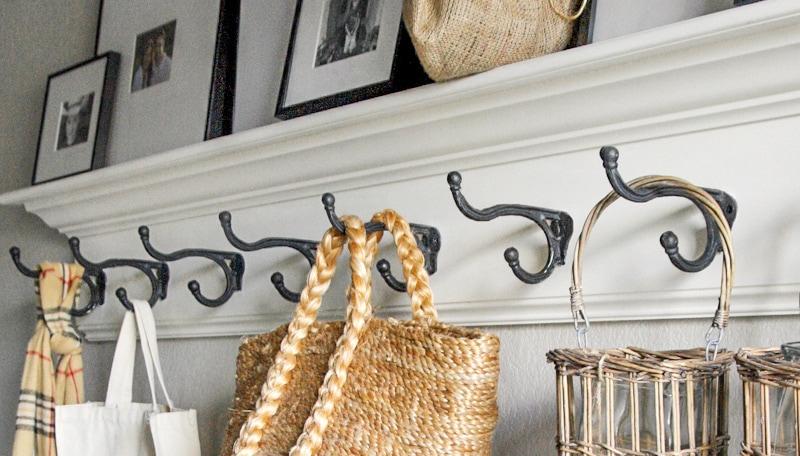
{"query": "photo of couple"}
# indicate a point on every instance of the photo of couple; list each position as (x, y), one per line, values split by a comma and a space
(349, 28)
(153, 57)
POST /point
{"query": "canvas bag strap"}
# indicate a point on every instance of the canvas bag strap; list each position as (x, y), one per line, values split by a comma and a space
(676, 187)
(148, 339)
(120, 381)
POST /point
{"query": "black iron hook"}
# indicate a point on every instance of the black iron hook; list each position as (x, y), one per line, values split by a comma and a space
(157, 273)
(610, 157)
(96, 284)
(305, 247)
(428, 238)
(231, 263)
(557, 227)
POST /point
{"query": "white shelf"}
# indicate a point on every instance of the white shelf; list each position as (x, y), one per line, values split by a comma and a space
(729, 69)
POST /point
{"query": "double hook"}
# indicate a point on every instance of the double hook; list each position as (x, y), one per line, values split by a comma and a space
(94, 277)
(669, 240)
(95, 280)
(157, 273)
(306, 248)
(556, 225)
(428, 240)
(231, 263)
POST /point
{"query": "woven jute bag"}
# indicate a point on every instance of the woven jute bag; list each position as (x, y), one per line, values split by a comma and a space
(455, 38)
(635, 401)
(366, 386)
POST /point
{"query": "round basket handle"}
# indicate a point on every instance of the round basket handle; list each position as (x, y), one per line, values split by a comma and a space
(668, 186)
(567, 16)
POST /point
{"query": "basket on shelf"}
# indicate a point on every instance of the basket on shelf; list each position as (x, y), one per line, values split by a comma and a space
(634, 401)
(455, 38)
(771, 387)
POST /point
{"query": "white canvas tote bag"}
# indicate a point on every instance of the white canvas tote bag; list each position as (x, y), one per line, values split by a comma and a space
(119, 426)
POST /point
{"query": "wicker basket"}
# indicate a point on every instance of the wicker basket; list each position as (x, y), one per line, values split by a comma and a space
(366, 386)
(771, 386)
(633, 401)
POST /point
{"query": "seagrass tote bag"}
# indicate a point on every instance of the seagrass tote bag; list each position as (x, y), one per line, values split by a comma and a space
(635, 401)
(365, 386)
(455, 38)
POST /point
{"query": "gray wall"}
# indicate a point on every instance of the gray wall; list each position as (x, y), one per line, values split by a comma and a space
(38, 38)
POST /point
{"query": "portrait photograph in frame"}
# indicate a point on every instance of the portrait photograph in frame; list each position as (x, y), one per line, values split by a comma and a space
(76, 118)
(177, 72)
(343, 51)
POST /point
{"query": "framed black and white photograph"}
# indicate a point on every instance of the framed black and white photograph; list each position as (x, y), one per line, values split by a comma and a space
(75, 119)
(177, 72)
(343, 51)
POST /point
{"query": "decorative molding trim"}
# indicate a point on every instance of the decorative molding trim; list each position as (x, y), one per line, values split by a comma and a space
(292, 160)
(747, 301)
(727, 69)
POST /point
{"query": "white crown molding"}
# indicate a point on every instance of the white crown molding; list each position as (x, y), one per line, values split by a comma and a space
(501, 116)
(736, 68)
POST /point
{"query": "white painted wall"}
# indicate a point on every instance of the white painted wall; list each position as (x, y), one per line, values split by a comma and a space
(200, 371)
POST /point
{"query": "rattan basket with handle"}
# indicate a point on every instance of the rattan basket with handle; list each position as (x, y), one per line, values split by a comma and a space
(634, 401)
(366, 386)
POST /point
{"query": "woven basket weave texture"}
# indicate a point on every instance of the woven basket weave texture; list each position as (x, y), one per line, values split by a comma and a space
(413, 387)
(455, 38)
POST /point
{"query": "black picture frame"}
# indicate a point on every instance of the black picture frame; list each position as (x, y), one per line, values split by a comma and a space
(222, 89)
(108, 91)
(406, 73)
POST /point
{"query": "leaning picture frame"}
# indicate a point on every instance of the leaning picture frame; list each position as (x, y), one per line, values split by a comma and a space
(76, 116)
(177, 72)
(344, 51)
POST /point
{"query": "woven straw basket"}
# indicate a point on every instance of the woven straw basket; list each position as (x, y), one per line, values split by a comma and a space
(632, 401)
(455, 38)
(365, 386)
(771, 402)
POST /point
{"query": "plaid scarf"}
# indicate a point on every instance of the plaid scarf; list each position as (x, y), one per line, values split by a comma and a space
(43, 385)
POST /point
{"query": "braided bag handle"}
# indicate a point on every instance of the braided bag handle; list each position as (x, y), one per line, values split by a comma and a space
(362, 251)
(677, 187)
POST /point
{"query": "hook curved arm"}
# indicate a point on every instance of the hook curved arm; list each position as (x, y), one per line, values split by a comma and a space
(429, 241)
(231, 263)
(287, 294)
(557, 227)
(305, 247)
(157, 273)
(26, 271)
(96, 283)
(668, 240)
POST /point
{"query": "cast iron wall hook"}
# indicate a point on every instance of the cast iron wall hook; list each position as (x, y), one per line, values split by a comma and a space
(557, 227)
(96, 284)
(157, 273)
(429, 241)
(307, 248)
(231, 263)
(610, 157)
